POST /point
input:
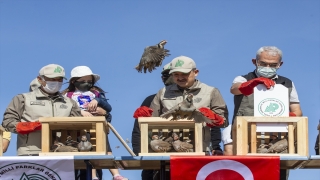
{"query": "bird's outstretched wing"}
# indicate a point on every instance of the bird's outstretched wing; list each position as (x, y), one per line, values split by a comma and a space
(200, 118)
(152, 57)
(169, 113)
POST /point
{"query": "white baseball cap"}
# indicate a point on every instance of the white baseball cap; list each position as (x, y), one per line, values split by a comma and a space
(81, 71)
(52, 71)
(182, 64)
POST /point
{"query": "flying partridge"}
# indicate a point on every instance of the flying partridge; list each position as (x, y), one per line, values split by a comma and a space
(152, 57)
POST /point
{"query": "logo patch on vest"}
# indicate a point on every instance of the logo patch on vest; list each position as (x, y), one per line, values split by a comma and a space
(37, 103)
(197, 100)
(62, 106)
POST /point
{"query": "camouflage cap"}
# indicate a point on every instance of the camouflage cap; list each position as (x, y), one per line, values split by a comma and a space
(52, 71)
(166, 68)
(182, 64)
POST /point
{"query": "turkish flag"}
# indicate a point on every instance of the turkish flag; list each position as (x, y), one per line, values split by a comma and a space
(224, 167)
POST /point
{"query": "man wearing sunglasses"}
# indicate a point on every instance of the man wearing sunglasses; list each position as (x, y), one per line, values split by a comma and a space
(267, 62)
(136, 146)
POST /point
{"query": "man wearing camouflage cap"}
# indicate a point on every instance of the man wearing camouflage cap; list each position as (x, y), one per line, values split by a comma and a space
(22, 114)
(184, 72)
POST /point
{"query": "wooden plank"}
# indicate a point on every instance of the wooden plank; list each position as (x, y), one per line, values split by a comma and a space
(1, 142)
(290, 139)
(272, 119)
(253, 144)
(302, 137)
(104, 139)
(144, 137)
(69, 153)
(72, 119)
(198, 138)
(100, 141)
(271, 154)
(242, 135)
(174, 154)
(45, 137)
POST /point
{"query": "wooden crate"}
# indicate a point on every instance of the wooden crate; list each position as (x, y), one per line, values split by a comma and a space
(246, 139)
(157, 124)
(61, 127)
(1, 139)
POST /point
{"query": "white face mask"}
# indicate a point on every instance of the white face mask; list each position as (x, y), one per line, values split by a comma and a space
(52, 86)
(267, 72)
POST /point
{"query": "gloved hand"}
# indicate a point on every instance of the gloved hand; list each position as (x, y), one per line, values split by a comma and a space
(246, 88)
(143, 111)
(215, 118)
(28, 127)
(291, 114)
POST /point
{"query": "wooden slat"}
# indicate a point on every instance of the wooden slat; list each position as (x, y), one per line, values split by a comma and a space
(72, 119)
(45, 137)
(1, 141)
(253, 136)
(242, 135)
(69, 153)
(271, 119)
(290, 138)
(198, 138)
(144, 137)
(173, 153)
(100, 135)
(302, 137)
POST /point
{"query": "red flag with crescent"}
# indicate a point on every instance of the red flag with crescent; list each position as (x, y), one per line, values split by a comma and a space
(224, 167)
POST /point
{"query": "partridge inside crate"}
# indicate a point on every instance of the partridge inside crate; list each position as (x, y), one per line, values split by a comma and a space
(156, 126)
(250, 132)
(61, 127)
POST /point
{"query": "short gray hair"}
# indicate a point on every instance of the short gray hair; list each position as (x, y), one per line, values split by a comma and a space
(272, 50)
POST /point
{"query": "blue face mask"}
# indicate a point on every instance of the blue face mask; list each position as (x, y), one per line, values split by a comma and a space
(267, 72)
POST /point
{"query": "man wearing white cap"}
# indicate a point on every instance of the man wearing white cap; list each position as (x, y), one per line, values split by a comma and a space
(22, 114)
(184, 72)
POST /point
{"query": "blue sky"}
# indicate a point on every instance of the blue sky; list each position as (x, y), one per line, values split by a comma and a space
(109, 37)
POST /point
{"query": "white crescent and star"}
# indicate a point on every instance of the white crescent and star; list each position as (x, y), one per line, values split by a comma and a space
(236, 166)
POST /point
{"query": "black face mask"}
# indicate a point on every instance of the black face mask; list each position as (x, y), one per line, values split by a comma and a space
(83, 86)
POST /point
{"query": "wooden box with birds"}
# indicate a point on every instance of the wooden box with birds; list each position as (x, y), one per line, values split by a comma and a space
(73, 136)
(281, 136)
(162, 137)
